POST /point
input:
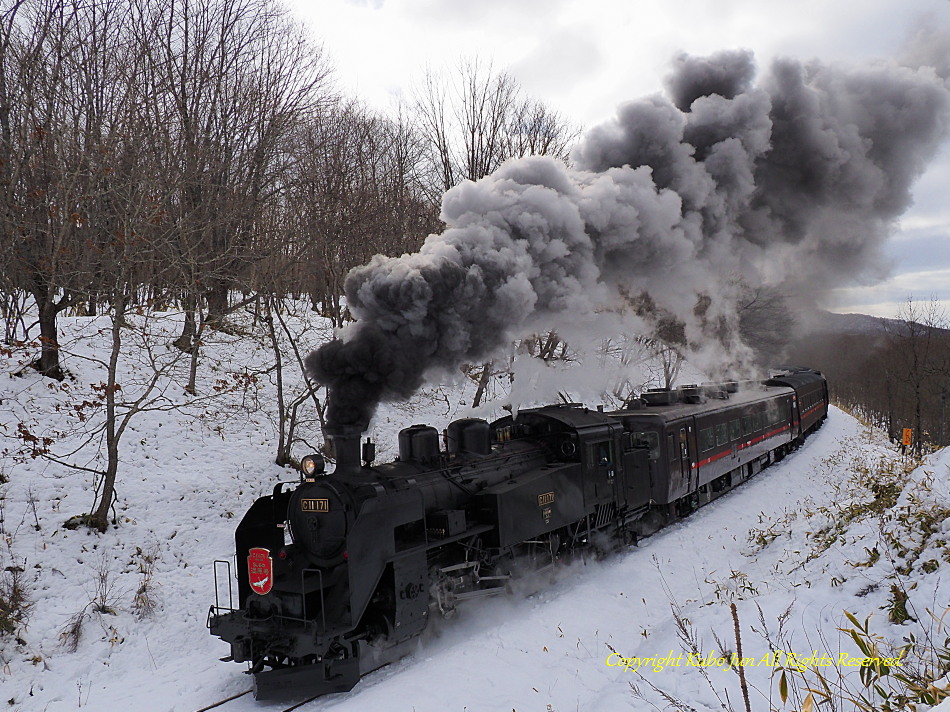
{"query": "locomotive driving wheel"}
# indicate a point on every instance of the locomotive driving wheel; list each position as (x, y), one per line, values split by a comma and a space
(379, 619)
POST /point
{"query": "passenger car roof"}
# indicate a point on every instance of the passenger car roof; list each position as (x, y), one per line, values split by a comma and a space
(675, 411)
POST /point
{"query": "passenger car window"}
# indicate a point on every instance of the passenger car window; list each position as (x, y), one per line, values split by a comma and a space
(722, 433)
(647, 439)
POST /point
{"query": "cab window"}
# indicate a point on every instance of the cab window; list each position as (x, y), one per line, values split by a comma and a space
(600, 454)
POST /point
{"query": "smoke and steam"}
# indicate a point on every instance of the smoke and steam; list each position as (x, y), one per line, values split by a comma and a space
(791, 183)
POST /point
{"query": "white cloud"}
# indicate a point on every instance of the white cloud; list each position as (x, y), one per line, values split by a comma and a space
(621, 48)
(885, 298)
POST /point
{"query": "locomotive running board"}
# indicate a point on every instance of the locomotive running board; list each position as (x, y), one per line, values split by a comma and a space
(480, 593)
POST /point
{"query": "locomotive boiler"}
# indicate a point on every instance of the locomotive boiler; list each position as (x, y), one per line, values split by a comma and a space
(338, 574)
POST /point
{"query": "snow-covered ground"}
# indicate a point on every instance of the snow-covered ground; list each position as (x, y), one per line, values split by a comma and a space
(793, 549)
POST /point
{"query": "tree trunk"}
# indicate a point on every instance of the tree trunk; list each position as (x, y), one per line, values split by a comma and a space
(483, 383)
(185, 342)
(283, 441)
(192, 387)
(48, 362)
(217, 297)
(14, 309)
(671, 366)
(330, 308)
(918, 441)
(99, 519)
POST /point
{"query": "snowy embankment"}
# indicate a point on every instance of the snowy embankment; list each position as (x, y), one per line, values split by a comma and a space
(792, 540)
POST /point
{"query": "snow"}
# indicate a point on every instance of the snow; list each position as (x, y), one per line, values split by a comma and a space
(188, 475)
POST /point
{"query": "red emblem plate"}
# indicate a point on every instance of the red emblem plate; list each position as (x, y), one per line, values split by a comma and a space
(260, 570)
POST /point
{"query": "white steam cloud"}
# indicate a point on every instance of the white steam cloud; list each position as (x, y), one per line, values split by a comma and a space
(792, 182)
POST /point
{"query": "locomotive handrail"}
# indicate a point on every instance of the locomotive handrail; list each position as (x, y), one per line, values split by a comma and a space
(303, 595)
(217, 601)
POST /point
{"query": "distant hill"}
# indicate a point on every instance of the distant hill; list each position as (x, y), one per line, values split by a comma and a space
(830, 322)
(825, 322)
(836, 343)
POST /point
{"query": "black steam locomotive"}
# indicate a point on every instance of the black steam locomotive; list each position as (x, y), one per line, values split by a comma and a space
(337, 575)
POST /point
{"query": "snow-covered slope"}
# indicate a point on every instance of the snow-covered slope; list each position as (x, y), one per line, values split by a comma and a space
(189, 474)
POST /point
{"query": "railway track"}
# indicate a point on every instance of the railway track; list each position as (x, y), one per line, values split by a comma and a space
(221, 703)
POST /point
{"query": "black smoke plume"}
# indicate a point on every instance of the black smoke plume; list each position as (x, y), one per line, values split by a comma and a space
(791, 183)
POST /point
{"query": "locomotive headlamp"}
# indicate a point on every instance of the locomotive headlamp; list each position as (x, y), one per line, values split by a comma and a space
(312, 465)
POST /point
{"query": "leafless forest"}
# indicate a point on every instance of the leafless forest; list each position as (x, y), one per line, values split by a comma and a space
(196, 153)
(894, 373)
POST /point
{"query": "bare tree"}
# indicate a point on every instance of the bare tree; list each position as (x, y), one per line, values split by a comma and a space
(765, 323)
(353, 193)
(296, 407)
(105, 210)
(476, 118)
(49, 127)
(916, 357)
(230, 80)
(535, 129)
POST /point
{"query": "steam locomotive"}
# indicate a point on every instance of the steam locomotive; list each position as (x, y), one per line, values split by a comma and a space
(338, 575)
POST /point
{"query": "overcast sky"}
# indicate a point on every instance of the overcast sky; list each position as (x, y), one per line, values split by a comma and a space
(585, 57)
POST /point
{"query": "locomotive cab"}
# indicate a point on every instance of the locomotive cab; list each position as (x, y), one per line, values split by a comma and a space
(586, 439)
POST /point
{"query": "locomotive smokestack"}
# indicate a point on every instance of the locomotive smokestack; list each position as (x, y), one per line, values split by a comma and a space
(346, 446)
